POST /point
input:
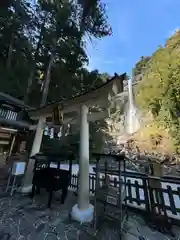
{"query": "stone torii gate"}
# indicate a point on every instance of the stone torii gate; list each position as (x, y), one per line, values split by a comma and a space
(76, 110)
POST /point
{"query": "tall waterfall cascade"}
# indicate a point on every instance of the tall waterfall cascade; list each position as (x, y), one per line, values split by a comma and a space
(132, 116)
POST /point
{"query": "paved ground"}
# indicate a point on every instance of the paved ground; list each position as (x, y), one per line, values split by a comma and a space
(20, 219)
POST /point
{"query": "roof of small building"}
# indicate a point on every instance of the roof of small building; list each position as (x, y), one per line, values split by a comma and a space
(80, 98)
(13, 101)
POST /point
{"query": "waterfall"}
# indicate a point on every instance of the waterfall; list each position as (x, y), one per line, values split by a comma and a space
(132, 117)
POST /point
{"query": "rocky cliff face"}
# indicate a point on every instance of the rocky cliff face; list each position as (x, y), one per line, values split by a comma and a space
(125, 120)
(149, 137)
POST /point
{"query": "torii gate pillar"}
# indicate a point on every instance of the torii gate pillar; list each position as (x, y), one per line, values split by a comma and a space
(27, 181)
(83, 211)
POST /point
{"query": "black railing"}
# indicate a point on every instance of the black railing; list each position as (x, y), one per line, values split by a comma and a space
(8, 114)
(141, 193)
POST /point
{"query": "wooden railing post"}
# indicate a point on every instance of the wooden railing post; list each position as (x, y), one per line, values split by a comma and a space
(153, 194)
(146, 195)
(155, 187)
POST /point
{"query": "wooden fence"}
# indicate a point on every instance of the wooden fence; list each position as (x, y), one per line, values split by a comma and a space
(143, 195)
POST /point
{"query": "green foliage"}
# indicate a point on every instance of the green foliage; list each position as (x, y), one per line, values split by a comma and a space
(82, 81)
(141, 66)
(159, 90)
(50, 37)
(31, 33)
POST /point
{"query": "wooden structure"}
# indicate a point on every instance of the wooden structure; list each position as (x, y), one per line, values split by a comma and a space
(14, 125)
(154, 184)
(49, 175)
(81, 110)
(138, 197)
(109, 200)
(13, 112)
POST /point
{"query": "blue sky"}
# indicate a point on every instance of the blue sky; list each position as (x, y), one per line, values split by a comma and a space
(139, 27)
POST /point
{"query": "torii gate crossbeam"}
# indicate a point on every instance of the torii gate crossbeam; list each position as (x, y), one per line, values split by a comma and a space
(103, 95)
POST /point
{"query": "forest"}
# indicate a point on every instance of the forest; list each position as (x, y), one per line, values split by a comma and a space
(47, 39)
(43, 58)
(158, 92)
(43, 49)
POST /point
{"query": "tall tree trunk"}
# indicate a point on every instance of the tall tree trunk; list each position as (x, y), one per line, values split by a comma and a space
(28, 90)
(47, 79)
(9, 55)
(32, 74)
(10, 49)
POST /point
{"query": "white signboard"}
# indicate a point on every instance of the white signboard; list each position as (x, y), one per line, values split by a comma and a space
(18, 168)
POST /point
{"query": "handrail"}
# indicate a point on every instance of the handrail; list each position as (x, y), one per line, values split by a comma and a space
(8, 114)
(144, 196)
(137, 175)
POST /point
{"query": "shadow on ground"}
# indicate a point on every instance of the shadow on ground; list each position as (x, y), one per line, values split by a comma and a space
(22, 219)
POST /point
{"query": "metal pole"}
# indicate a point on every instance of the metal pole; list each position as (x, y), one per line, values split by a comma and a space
(12, 145)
